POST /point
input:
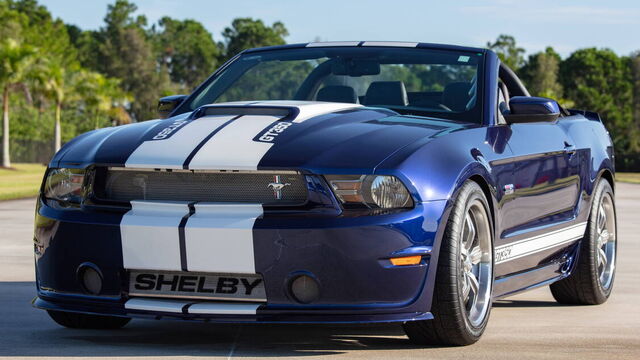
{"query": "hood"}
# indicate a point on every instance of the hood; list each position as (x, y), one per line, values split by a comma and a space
(316, 136)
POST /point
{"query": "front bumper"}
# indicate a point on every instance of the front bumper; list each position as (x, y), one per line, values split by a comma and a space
(347, 256)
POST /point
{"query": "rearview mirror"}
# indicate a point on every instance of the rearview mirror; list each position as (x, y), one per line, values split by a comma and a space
(169, 103)
(355, 67)
(530, 109)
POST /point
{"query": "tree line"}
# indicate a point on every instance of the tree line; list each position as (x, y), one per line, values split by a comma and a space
(58, 80)
(589, 79)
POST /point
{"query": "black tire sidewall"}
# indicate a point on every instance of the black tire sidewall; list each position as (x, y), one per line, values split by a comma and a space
(601, 293)
(470, 192)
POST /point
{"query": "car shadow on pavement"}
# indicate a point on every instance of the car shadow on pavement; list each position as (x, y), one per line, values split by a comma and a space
(29, 332)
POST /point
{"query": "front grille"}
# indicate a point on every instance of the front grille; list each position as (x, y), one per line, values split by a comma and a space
(263, 187)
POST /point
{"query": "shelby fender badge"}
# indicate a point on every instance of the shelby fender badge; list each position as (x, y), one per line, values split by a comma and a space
(274, 131)
(277, 187)
(509, 189)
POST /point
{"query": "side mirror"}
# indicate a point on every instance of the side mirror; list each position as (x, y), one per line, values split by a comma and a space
(530, 109)
(168, 103)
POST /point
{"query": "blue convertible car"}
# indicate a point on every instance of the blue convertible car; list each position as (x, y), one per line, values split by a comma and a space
(338, 182)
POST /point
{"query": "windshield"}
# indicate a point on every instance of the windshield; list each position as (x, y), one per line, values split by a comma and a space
(428, 82)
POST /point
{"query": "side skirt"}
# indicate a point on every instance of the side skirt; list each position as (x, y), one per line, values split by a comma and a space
(530, 279)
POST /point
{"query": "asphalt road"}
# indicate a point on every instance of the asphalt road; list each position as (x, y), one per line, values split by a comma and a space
(527, 326)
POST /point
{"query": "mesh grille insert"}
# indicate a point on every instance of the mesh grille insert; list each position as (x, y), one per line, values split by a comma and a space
(264, 187)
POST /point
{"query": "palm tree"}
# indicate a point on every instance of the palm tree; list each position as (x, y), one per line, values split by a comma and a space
(104, 98)
(57, 83)
(15, 62)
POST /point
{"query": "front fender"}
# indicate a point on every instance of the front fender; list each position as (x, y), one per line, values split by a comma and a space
(435, 171)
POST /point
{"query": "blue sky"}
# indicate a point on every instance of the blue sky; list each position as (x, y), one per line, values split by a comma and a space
(564, 24)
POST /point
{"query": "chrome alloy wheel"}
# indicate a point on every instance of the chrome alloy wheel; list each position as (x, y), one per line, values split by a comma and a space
(476, 254)
(606, 241)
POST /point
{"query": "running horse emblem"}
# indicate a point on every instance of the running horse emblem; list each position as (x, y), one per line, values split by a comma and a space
(277, 187)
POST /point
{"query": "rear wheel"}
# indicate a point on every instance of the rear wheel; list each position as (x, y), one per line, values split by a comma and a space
(86, 321)
(591, 281)
(464, 276)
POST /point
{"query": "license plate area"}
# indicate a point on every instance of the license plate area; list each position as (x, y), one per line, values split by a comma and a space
(192, 285)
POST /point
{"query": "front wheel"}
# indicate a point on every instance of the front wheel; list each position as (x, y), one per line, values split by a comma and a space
(464, 276)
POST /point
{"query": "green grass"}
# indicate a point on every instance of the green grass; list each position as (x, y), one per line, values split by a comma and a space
(628, 177)
(22, 181)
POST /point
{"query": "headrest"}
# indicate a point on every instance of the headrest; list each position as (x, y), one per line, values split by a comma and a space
(386, 93)
(338, 93)
(456, 96)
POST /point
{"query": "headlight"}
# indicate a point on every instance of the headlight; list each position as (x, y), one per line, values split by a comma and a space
(374, 191)
(64, 185)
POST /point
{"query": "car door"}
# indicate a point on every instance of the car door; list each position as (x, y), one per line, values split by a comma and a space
(544, 194)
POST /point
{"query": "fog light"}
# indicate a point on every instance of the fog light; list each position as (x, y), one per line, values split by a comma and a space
(90, 279)
(305, 289)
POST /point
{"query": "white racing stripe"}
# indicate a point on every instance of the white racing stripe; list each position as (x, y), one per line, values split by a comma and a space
(317, 109)
(201, 308)
(230, 148)
(233, 148)
(309, 109)
(224, 308)
(149, 235)
(172, 306)
(390, 43)
(170, 153)
(539, 243)
(214, 237)
(333, 43)
(219, 238)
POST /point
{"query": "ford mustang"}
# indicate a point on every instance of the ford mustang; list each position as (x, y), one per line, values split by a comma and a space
(335, 182)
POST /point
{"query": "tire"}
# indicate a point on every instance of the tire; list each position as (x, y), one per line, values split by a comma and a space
(85, 321)
(591, 280)
(458, 320)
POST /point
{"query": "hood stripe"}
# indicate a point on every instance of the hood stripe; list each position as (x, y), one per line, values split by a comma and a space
(233, 147)
(193, 153)
(171, 152)
(218, 142)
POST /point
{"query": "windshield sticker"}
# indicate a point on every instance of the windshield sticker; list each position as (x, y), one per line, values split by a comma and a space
(463, 58)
